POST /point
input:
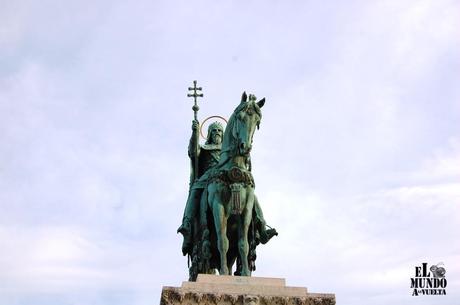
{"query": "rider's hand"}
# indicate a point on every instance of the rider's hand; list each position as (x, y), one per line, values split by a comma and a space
(195, 125)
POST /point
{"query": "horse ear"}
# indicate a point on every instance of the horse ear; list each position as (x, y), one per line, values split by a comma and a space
(261, 103)
(244, 98)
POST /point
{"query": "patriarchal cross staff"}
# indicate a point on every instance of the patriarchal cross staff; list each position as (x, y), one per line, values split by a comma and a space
(195, 109)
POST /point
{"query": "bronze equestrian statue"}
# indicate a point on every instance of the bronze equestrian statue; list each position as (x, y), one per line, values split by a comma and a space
(223, 222)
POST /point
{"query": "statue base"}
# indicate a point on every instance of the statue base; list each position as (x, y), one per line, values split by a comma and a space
(241, 290)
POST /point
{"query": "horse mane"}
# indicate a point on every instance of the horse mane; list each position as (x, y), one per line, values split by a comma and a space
(227, 141)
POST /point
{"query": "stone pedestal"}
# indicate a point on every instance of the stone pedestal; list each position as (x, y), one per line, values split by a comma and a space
(241, 290)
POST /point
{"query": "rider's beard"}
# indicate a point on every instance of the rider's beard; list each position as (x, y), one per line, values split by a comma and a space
(217, 139)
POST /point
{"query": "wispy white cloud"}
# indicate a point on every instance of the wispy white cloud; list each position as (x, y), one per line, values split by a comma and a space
(366, 241)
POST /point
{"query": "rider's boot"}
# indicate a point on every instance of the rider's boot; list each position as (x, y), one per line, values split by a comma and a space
(186, 230)
(266, 235)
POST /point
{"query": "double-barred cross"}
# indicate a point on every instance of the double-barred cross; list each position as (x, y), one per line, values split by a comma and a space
(195, 95)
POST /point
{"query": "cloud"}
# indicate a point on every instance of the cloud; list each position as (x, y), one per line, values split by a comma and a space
(365, 242)
(356, 161)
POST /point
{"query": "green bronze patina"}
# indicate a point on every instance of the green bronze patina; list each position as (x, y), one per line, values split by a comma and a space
(223, 222)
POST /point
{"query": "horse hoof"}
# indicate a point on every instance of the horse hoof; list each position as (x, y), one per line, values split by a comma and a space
(248, 273)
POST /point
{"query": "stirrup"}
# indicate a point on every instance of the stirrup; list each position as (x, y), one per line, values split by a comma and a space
(186, 247)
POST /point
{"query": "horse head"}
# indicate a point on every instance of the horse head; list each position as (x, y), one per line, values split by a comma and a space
(246, 118)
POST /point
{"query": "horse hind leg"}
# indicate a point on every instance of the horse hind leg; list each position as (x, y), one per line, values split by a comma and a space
(230, 263)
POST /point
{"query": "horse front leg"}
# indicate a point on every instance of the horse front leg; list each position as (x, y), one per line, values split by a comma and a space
(220, 222)
(243, 244)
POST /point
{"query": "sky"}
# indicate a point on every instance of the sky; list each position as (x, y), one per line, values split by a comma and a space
(357, 160)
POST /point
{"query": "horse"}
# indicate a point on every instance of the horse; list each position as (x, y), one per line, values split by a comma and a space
(230, 188)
